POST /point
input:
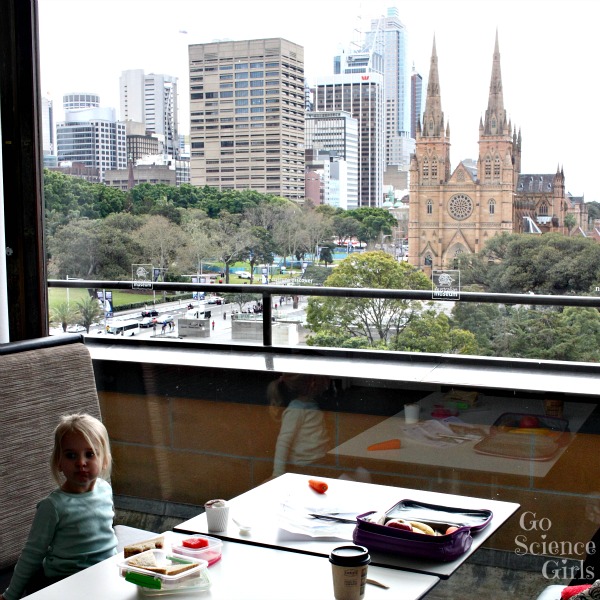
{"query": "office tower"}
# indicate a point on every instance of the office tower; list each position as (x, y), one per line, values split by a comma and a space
(48, 133)
(358, 89)
(92, 137)
(247, 116)
(332, 141)
(152, 99)
(416, 92)
(388, 37)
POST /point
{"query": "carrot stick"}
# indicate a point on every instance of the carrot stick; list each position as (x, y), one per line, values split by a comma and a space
(387, 445)
(318, 486)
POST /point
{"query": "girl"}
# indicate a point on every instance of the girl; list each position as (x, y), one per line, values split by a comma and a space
(303, 436)
(72, 528)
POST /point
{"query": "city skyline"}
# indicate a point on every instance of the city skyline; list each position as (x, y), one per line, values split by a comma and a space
(545, 50)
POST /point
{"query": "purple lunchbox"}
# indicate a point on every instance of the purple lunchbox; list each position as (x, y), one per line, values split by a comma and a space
(444, 547)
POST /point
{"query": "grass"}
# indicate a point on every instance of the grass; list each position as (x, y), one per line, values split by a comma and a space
(57, 296)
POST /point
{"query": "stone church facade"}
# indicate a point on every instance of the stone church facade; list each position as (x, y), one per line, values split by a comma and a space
(452, 213)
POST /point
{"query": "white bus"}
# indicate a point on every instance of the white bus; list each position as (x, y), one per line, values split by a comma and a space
(130, 327)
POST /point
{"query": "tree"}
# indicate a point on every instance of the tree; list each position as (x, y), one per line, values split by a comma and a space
(570, 222)
(432, 332)
(261, 248)
(161, 240)
(378, 320)
(63, 314)
(230, 236)
(90, 311)
(543, 264)
(326, 254)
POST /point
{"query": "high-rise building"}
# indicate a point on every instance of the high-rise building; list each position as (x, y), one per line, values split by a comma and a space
(416, 94)
(333, 137)
(152, 99)
(357, 88)
(388, 37)
(48, 133)
(92, 137)
(247, 116)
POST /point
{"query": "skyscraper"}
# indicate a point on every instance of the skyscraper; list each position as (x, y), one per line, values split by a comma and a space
(93, 137)
(332, 137)
(416, 94)
(152, 99)
(356, 87)
(247, 116)
(388, 36)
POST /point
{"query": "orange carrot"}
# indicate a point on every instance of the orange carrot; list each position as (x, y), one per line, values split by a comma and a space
(318, 486)
(387, 445)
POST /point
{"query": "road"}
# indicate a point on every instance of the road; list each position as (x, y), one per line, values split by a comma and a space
(220, 331)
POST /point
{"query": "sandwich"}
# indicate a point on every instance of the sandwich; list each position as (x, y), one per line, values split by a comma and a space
(139, 547)
(147, 561)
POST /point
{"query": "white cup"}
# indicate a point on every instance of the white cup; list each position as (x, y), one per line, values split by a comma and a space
(217, 515)
(411, 412)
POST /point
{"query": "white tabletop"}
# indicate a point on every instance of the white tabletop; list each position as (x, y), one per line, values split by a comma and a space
(261, 508)
(461, 454)
(244, 573)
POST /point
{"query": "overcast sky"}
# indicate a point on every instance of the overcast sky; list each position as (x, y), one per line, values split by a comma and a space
(548, 55)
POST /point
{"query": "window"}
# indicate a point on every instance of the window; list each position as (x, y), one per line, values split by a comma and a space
(425, 168)
(492, 206)
(429, 207)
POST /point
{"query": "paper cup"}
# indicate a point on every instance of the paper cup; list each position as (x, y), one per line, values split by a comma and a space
(217, 516)
(349, 565)
(411, 413)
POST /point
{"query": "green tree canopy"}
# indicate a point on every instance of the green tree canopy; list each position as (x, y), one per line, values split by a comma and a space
(378, 320)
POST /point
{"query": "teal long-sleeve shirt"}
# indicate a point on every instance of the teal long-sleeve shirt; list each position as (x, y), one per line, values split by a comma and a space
(70, 532)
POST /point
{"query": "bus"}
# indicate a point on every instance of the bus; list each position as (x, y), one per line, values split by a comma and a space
(130, 327)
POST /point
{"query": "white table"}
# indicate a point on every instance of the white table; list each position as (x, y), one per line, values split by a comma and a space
(243, 573)
(461, 455)
(260, 507)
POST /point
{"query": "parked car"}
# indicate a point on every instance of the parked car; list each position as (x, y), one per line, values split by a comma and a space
(244, 275)
(149, 313)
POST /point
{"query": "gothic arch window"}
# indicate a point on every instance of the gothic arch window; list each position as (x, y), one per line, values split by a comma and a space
(493, 124)
(431, 127)
(543, 208)
(497, 167)
(460, 207)
(425, 168)
(429, 207)
(488, 167)
(492, 206)
(456, 259)
(434, 168)
(540, 184)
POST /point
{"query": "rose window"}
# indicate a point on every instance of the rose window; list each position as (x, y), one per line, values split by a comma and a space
(460, 206)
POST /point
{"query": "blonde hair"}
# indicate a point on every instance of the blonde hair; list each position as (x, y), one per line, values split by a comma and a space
(95, 435)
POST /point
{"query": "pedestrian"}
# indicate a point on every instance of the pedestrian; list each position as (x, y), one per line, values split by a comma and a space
(163, 328)
(72, 527)
(213, 325)
(154, 328)
(224, 316)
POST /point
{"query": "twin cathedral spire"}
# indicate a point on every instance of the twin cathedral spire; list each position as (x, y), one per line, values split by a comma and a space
(495, 136)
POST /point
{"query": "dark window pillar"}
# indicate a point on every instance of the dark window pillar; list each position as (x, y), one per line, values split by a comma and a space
(22, 169)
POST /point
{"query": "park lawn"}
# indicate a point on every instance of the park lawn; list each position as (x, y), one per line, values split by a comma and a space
(57, 296)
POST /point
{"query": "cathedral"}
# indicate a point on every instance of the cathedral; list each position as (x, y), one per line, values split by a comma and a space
(453, 213)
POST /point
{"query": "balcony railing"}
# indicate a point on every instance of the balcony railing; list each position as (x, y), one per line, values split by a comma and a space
(269, 291)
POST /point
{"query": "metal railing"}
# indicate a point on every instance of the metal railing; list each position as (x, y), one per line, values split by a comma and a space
(268, 291)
